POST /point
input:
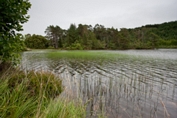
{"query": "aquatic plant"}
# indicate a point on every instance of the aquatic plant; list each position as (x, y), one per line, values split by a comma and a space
(89, 55)
(33, 94)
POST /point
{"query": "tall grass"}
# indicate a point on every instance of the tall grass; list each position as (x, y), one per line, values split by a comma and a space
(63, 108)
(88, 55)
(34, 94)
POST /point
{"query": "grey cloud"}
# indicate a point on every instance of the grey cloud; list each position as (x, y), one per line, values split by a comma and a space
(116, 13)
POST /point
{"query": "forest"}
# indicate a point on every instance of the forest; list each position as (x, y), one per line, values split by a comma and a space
(87, 37)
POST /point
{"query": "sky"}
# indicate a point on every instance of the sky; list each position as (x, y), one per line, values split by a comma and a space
(109, 13)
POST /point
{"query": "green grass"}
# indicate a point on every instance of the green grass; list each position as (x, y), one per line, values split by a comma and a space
(87, 55)
(62, 108)
(34, 95)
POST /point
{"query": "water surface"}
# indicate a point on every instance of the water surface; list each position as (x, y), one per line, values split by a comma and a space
(140, 85)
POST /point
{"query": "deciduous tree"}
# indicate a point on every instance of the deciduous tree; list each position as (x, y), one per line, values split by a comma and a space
(13, 13)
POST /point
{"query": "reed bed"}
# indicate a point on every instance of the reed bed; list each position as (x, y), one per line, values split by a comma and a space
(88, 55)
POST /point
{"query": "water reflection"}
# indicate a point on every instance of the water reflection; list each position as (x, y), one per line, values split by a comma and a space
(125, 88)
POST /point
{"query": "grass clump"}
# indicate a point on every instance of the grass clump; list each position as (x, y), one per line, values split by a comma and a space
(32, 95)
(37, 83)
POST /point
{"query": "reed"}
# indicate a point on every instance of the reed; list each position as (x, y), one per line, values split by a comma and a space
(88, 55)
(34, 94)
(64, 108)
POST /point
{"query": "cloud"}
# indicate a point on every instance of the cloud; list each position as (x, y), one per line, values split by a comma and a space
(116, 13)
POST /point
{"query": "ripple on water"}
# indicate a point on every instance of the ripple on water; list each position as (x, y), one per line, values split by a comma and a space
(121, 88)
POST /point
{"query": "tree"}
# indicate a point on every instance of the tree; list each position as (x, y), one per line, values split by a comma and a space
(71, 36)
(100, 33)
(54, 33)
(13, 13)
(153, 40)
(36, 41)
(85, 36)
(123, 38)
(72, 33)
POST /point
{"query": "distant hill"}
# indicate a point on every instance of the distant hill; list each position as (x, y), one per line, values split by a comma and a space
(167, 30)
(153, 36)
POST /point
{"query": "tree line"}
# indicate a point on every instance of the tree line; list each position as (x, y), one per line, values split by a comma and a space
(88, 37)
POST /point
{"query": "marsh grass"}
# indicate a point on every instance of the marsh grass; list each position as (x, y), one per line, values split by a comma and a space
(86, 55)
(34, 94)
(64, 108)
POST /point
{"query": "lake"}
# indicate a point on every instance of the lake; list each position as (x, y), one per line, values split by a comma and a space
(118, 84)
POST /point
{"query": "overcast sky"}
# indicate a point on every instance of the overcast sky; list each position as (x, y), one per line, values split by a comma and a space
(110, 13)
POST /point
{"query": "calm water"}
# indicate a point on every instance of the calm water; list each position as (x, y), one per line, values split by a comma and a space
(141, 87)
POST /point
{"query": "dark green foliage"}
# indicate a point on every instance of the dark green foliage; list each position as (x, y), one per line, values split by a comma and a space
(13, 13)
(54, 34)
(99, 37)
(71, 36)
(10, 46)
(75, 46)
(166, 30)
(36, 41)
